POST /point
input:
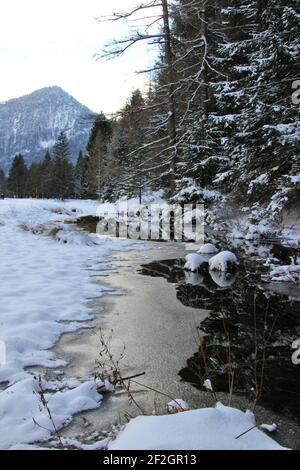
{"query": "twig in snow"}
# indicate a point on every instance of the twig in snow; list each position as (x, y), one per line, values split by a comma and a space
(243, 433)
(44, 402)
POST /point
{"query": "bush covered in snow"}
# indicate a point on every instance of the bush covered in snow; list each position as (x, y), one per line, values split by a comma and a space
(188, 191)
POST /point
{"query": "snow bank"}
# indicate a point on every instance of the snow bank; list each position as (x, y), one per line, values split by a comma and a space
(193, 262)
(288, 273)
(45, 283)
(25, 420)
(131, 205)
(208, 249)
(223, 261)
(203, 429)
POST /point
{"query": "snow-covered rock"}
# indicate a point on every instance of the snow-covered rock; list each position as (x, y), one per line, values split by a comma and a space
(269, 427)
(208, 249)
(177, 406)
(193, 262)
(224, 261)
(288, 273)
(204, 429)
(208, 385)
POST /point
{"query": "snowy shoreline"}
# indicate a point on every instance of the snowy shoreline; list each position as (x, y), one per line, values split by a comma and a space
(45, 284)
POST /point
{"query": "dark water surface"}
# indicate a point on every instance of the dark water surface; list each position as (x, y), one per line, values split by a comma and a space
(247, 338)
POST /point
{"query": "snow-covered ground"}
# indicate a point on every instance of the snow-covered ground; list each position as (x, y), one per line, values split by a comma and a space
(45, 283)
(216, 428)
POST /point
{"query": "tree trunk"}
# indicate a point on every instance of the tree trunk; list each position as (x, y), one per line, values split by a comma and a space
(204, 88)
(169, 59)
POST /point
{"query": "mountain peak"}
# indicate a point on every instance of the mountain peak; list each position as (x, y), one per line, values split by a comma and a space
(30, 124)
(54, 90)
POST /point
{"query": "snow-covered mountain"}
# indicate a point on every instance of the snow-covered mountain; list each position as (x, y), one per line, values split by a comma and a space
(30, 125)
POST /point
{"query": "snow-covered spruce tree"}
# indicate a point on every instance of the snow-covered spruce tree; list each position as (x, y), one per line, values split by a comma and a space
(191, 38)
(194, 39)
(80, 176)
(39, 179)
(216, 104)
(46, 176)
(241, 133)
(232, 66)
(97, 162)
(270, 131)
(188, 43)
(17, 177)
(34, 181)
(178, 99)
(161, 151)
(125, 162)
(2, 182)
(62, 176)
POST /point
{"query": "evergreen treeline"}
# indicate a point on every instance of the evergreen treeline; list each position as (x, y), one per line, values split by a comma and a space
(218, 114)
(53, 177)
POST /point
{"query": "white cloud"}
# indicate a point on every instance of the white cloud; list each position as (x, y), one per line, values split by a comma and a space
(52, 42)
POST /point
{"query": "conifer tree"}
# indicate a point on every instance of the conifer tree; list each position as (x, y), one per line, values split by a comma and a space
(47, 176)
(98, 156)
(80, 176)
(62, 170)
(34, 181)
(17, 178)
(125, 162)
(270, 128)
(2, 183)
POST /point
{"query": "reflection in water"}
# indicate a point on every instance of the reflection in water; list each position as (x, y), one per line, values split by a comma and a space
(247, 336)
(223, 279)
(193, 278)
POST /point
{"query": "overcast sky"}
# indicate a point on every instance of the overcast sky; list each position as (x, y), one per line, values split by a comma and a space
(52, 42)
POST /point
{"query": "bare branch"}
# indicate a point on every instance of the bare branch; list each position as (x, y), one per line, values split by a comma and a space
(125, 15)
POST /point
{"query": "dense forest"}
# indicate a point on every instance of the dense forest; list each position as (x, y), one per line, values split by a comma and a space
(220, 117)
